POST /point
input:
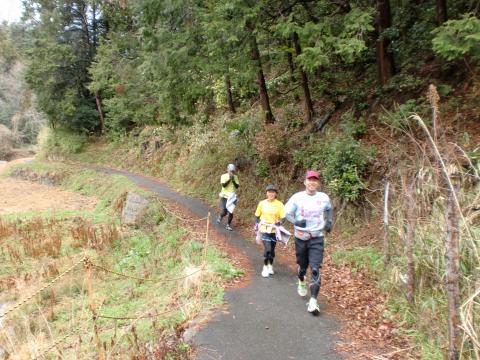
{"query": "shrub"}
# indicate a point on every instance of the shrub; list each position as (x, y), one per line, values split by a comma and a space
(343, 163)
(405, 83)
(61, 141)
(456, 39)
(261, 168)
(399, 119)
(6, 141)
(239, 125)
(352, 127)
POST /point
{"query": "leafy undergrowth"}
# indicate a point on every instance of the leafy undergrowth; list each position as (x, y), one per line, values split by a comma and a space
(93, 311)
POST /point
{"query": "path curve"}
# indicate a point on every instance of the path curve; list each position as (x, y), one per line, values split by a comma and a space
(264, 320)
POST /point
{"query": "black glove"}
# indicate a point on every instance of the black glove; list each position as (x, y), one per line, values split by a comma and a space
(301, 223)
(328, 226)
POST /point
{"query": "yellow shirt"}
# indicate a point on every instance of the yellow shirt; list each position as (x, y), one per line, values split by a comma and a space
(270, 212)
(230, 188)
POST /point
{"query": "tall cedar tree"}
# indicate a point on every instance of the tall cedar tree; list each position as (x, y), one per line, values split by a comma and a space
(385, 63)
(64, 45)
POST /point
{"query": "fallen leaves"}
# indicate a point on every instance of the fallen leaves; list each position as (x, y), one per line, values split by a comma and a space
(355, 299)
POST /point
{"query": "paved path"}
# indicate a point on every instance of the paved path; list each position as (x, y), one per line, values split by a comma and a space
(264, 320)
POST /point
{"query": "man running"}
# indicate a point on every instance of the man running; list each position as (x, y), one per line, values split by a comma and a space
(228, 197)
(305, 210)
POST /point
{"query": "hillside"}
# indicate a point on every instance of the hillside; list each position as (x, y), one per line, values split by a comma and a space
(382, 98)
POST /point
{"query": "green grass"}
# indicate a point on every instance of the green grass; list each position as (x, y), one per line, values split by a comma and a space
(419, 326)
(359, 258)
(158, 248)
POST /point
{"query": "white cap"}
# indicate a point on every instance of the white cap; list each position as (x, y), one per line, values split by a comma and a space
(231, 167)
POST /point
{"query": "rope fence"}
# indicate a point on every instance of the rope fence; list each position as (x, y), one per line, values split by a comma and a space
(44, 352)
(89, 264)
(46, 286)
(179, 217)
(147, 316)
(143, 278)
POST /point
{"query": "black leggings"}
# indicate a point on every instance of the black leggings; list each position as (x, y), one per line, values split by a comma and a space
(310, 252)
(224, 211)
(269, 243)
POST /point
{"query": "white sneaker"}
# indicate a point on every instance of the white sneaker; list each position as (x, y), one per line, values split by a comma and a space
(265, 272)
(270, 269)
(312, 306)
(302, 288)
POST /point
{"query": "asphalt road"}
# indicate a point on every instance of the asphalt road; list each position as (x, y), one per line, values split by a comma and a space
(264, 320)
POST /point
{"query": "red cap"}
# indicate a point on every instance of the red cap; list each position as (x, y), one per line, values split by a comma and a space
(312, 174)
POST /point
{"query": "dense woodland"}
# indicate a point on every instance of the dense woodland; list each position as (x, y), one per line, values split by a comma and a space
(303, 84)
(111, 65)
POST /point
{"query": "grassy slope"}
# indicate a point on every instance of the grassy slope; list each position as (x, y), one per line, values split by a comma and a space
(157, 249)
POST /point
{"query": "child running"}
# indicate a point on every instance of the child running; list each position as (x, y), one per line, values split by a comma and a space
(270, 213)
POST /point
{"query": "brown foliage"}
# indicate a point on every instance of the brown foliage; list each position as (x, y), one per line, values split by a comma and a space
(7, 229)
(40, 237)
(86, 234)
(270, 144)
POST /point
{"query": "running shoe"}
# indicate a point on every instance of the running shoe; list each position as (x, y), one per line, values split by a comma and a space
(312, 306)
(265, 272)
(302, 288)
(270, 269)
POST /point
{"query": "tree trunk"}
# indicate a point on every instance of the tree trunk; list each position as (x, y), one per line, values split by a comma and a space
(385, 61)
(94, 26)
(441, 10)
(98, 100)
(82, 9)
(291, 65)
(260, 81)
(228, 90)
(452, 272)
(307, 100)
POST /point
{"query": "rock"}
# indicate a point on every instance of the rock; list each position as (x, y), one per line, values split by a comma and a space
(235, 133)
(189, 334)
(46, 180)
(193, 326)
(133, 209)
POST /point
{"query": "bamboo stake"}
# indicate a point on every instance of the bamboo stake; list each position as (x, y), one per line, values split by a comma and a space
(452, 265)
(205, 246)
(386, 242)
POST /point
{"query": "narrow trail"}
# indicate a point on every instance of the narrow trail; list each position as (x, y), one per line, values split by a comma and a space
(265, 319)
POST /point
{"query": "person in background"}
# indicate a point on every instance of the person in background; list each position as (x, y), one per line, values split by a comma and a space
(228, 196)
(270, 214)
(311, 213)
